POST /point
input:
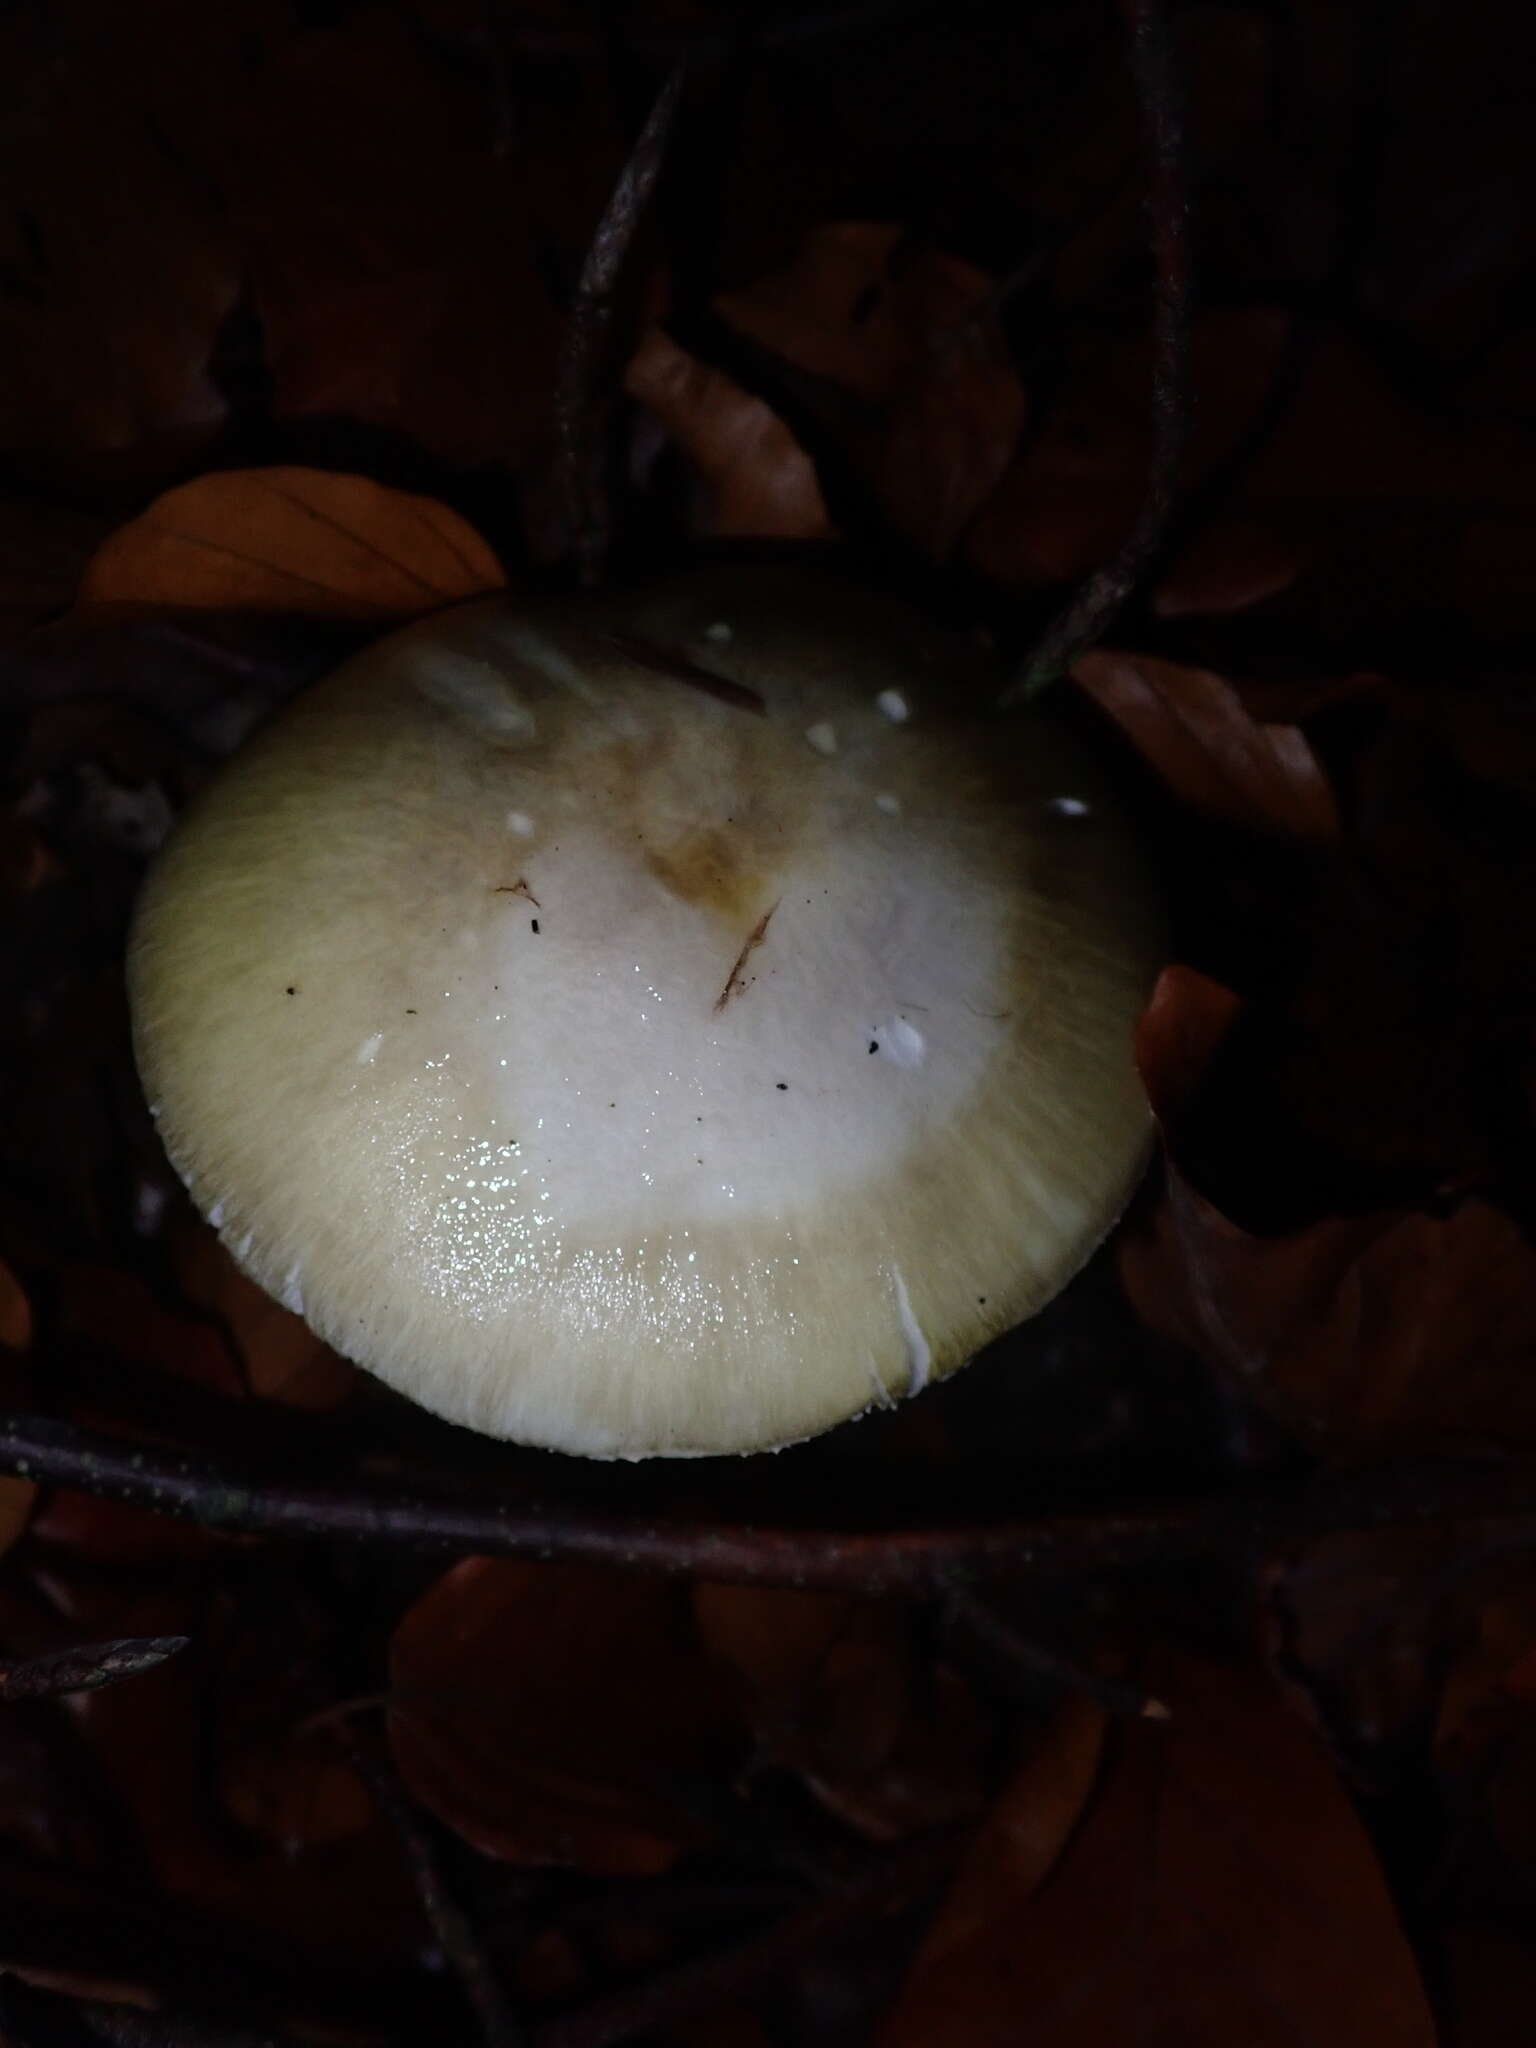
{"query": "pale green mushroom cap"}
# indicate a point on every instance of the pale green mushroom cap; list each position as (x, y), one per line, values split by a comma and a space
(657, 1025)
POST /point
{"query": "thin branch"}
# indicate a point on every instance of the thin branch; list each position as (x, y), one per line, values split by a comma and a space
(499, 2026)
(85, 1668)
(1089, 614)
(1489, 1503)
(584, 359)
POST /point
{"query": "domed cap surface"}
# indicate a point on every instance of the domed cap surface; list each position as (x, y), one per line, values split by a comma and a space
(659, 1024)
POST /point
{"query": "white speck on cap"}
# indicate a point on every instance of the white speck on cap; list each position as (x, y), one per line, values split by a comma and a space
(520, 823)
(919, 1355)
(901, 1043)
(368, 1051)
(1067, 806)
(823, 736)
(719, 632)
(889, 803)
(895, 706)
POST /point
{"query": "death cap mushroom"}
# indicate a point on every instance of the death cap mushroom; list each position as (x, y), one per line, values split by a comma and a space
(663, 1024)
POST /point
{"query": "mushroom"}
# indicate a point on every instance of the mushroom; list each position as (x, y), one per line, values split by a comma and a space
(658, 1023)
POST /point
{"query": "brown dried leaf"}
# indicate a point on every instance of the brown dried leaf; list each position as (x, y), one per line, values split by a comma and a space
(1398, 1327)
(283, 1358)
(910, 332)
(1219, 1890)
(18, 1497)
(840, 1694)
(758, 478)
(1178, 1034)
(119, 273)
(293, 540)
(555, 1714)
(1191, 728)
(15, 1311)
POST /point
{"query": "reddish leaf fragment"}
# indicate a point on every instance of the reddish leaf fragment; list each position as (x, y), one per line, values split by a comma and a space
(1220, 1889)
(283, 1358)
(1178, 1034)
(840, 1695)
(554, 1714)
(293, 540)
(15, 1312)
(758, 478)
(1192, 730)
(911, 333)
(1397, 1326)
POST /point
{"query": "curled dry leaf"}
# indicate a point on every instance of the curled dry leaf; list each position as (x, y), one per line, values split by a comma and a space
(1399, 1328)
(1178, 1035)
(283, 1358)
(15, 1312)
(1191, 728)
(293, 540)
(554, 1714)
(758, 478)
(839, 1693)
(17, 1496)
(1219, 1889)
(911, 333)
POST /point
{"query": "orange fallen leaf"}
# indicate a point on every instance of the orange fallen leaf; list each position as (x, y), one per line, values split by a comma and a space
(15, 1311)
(557, 1714)
(283, 1358)
(1397, 1326)
(838, 1692)
(1192, 729)
(911, 333)
(758, 478)
(293, 540)
(1220, 1889)
(1178, 1034)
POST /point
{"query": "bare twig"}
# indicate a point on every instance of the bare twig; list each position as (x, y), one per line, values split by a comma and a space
(85, 1668)
(499, 2026)
(1090, 612)
(1491, 1504)
(584, 359)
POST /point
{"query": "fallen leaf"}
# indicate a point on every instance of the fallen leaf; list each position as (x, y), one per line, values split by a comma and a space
(1398, 1327)
(293, 540)
(839, 1693)
(1192, 730)
(283, 1358)
(15, 1311)
(913, 334)
(119, 273)
(1490, 1983)
(757, 477)
(556, 1714)
(1178, 1034)
(1220, 1889)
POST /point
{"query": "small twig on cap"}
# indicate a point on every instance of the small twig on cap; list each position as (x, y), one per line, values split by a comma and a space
(1088, 615)
(85, 1668)
(499, 2026)
(578, 407)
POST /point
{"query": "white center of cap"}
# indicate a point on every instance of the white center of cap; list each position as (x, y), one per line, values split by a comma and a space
(704, 1068)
